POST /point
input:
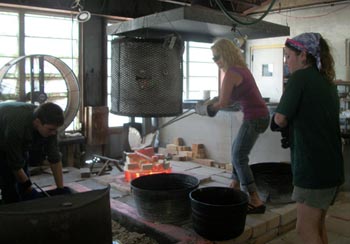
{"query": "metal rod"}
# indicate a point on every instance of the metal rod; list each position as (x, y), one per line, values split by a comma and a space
(41, 189)
(176, 119)
(181, 116)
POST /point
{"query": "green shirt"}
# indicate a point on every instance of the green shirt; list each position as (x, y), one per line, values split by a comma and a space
(16, 135)
(311, 105)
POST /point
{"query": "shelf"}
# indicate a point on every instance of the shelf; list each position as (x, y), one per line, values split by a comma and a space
(342, 83)
(345, 135)
(344, 105)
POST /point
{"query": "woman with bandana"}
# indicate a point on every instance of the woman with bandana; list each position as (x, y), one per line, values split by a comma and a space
(309, 107)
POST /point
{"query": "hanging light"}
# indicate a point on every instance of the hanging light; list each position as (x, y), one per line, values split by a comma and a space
(82, 16)
(239, 41)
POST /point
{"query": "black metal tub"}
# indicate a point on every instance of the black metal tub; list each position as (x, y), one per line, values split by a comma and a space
(70, 219)
(218, 213)
(164, 198)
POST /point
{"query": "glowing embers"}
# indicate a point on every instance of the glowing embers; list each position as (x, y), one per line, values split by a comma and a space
(145, 162)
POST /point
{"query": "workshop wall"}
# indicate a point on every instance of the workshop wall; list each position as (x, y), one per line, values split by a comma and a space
(217, 133)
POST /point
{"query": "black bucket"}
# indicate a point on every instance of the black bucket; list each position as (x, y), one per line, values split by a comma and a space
(218, 213)
(164, 198)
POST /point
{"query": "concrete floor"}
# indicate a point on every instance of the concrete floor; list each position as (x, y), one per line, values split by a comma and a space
(276, 226)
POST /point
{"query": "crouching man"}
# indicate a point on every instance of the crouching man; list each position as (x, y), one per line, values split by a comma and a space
(24, 126)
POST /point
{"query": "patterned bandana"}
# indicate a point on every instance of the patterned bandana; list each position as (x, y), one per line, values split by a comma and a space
(309, 42)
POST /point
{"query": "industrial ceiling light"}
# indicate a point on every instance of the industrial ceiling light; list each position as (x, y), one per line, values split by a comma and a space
(239, 41)
(82, 16)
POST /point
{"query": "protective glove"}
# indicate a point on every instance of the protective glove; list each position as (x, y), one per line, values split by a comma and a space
(26, 192)
(61, 191)
(204, 108)
(285, 141)
(30, 195)
(273, 125)
(212, 101)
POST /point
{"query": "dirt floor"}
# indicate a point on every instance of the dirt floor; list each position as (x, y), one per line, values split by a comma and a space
(122, 236)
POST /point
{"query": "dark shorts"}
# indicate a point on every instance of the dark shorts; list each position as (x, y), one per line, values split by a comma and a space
(316, 198)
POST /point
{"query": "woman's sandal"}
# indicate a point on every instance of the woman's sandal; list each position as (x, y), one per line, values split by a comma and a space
(256, 210)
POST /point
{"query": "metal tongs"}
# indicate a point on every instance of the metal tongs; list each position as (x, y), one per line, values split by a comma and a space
(185, 114)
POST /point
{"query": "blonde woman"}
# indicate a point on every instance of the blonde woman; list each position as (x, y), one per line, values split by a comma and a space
(238, 85)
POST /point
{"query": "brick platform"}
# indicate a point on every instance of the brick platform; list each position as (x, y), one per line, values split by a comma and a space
(259, 229)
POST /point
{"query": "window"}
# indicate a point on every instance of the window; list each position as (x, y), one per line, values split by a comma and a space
(200, 72)
(56, 36)
(113, 119)
(267, 70)
(45, 35)
(9, 37)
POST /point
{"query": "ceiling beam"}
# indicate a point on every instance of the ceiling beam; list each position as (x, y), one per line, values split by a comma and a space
(253, 9)
(182, 3)
(247, 3)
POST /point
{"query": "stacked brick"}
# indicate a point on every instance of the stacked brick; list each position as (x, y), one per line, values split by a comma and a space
(145, 159)
(196, 153)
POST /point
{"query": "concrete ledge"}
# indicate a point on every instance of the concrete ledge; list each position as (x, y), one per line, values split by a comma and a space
(260, 228)
(163, 233)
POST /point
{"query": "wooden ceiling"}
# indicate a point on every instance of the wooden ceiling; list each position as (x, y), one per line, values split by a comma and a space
(138, 8)
(246, 7)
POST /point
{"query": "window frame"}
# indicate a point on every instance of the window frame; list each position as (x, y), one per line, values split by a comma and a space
(22, 35)
(189, 61)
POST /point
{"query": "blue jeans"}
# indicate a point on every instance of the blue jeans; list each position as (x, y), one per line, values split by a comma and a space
(241, 147)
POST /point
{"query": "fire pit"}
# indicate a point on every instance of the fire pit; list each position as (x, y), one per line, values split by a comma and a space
(145, 162)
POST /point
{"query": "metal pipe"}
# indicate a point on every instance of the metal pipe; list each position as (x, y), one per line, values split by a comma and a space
(347, 52)
(175, 2)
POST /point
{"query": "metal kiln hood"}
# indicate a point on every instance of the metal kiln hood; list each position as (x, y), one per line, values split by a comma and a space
(195, 23)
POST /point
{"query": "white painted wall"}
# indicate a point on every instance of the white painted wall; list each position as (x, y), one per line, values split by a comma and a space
(270, 86)
(217, 133)
(332, 22)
